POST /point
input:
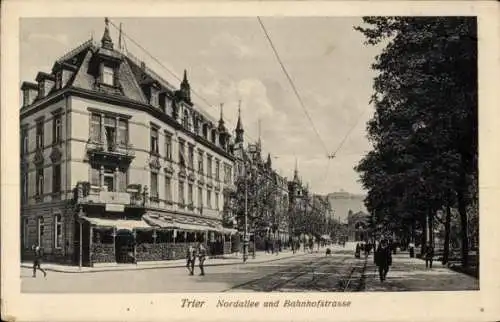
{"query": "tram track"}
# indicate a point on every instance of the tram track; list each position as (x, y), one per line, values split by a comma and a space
(324, 271)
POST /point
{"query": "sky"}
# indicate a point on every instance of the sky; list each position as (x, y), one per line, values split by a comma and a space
(230, 59)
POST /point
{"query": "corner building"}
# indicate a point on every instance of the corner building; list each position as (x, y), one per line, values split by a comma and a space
(117, 165)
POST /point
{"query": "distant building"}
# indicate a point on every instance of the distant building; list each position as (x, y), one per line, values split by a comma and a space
(342, 201)
(358, 226)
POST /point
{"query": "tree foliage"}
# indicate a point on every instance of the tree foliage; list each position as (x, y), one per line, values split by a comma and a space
(424, 130)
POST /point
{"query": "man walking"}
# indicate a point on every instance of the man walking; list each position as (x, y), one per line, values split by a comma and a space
(38, 260)
(202, 253)
(383, 259)
(429, 255)
(190, 259)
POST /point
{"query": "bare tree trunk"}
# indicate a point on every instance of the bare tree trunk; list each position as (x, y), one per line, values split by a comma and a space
(461, 191)
(447, 224)
(423, 237)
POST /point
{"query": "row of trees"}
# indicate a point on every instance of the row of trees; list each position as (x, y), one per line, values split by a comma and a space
(262, 194)
(274, 205)
(425, 130)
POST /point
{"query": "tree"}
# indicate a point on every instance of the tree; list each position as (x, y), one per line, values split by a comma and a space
(424, 131)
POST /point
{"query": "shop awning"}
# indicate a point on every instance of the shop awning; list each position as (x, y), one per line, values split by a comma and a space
(229, 231)
(181, 222)
(128, 224)
(159, 220)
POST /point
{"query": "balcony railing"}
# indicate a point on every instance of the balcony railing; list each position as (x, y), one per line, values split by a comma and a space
(210, 212)
(111, 148)
(100, 195)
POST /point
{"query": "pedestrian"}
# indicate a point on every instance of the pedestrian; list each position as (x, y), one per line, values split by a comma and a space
(38, 259)
(383, 259)
(411, 246)
(357, 252)
(429, 255)
(190, 259)
(202, 253)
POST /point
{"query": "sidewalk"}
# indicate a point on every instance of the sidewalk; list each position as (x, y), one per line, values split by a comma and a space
(410, 274)
(230, 259)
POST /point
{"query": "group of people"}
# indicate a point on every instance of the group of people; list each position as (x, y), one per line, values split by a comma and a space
(192, 253)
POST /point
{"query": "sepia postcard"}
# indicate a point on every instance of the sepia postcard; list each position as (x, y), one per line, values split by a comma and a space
(250, 161)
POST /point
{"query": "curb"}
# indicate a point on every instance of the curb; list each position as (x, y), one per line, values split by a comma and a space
(157, 267)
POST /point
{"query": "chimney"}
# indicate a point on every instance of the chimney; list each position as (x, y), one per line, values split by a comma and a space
(143, 65)
(30, 92)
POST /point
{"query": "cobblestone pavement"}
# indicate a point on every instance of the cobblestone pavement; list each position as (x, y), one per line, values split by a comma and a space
(218, 278)
(315, 272)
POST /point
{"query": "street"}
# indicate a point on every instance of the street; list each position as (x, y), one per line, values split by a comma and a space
(340, 272)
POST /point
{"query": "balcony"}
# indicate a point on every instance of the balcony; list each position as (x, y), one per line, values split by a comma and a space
(99, 195)
(110, 150)
(210, 213)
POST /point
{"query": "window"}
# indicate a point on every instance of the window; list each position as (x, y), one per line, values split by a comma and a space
(209, 199)
(186, 119)
(110, 132)
(39, 135)
(209, 166)
(154, 140)
(41, 229)
(95, 127)
(168, 189)
(200, 162)
(24, 141)
(24, 187)
(108, 76)
(181, 193)
(26, 233)
(56, 129)
(122, 132)
(56, 178)
(39, 181)
(182, 161)
(191, 156)
(57, 231)
(168, 146)
(216, 201)
(200, 197)
(58, 80)
(190, 194)
(154, 185)
(228, 175)
(217, 164)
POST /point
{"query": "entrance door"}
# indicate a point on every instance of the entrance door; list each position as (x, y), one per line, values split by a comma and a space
(109, 181)
(124, 246)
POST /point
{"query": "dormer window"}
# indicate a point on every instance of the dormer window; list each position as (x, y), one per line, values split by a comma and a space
(108, 75)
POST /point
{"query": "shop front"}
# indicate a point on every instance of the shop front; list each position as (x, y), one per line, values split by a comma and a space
(151, 237)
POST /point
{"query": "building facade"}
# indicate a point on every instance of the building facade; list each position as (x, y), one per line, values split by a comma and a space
(260, 192)
(117, 164)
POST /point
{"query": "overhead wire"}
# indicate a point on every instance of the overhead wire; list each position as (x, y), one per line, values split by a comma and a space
(299, 98)
(292, 84)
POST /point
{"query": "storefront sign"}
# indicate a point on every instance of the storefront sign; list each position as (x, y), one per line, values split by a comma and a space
(115, 208)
